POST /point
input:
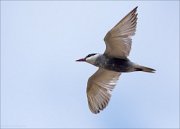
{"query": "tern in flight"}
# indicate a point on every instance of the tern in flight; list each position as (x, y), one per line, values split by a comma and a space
(112, 63)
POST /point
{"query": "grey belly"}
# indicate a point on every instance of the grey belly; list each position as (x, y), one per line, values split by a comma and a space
(118, 65)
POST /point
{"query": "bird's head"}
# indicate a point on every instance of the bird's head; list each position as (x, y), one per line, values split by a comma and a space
(91, 58)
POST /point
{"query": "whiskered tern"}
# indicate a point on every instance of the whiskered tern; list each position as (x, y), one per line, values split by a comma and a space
(112, 63)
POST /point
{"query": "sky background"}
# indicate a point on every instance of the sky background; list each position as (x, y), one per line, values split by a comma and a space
(43, 87)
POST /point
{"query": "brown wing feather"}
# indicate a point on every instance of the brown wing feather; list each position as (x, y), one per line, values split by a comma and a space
(99, 88)
(118, 39)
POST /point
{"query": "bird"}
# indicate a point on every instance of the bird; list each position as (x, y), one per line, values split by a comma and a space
(112, 62)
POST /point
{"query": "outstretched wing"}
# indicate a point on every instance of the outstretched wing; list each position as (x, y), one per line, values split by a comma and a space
(99, 88)
(118, 39)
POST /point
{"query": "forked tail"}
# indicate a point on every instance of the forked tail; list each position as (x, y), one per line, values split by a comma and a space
(144, 69)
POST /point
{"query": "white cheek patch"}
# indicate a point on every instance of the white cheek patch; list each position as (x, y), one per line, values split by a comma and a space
(92, 59)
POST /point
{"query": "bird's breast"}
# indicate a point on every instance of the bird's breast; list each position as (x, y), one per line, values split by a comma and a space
(115, 64)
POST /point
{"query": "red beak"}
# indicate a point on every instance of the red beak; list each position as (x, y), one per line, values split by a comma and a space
(83, 59)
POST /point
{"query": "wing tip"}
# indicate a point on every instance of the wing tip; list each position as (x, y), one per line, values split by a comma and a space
(98, 103)
(134, 10)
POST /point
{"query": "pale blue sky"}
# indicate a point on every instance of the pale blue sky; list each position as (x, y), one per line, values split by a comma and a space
(43, 86)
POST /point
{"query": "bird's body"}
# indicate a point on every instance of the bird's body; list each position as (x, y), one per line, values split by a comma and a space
(117, 64)
(112, 63)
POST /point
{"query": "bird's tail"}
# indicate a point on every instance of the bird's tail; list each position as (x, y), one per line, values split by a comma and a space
(144, 69)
